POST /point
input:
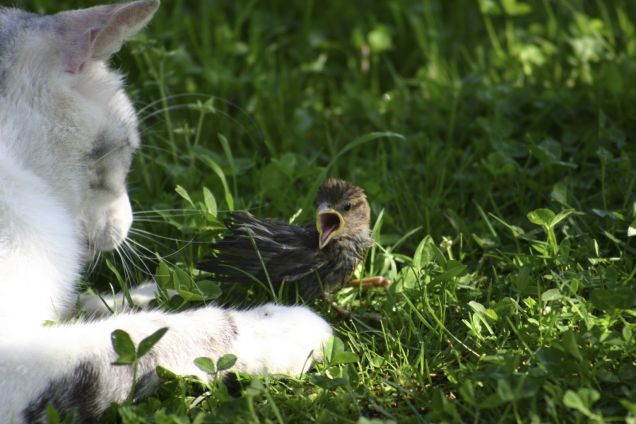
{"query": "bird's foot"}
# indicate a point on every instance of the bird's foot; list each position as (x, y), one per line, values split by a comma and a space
(348, 315)
(344, 313)
(371, 282)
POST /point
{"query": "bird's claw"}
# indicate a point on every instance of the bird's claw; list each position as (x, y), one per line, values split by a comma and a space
(371, 282)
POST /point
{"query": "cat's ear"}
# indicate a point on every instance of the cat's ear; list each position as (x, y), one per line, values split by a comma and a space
(98, 32)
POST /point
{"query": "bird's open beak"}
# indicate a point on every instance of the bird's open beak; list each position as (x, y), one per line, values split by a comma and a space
(329, 224)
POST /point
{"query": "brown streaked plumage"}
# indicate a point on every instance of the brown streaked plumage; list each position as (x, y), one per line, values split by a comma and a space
(316, 258)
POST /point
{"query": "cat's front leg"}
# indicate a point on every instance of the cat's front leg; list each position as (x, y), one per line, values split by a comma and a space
(71, 366)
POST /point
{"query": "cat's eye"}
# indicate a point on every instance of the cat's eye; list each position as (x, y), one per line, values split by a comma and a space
(347, 207)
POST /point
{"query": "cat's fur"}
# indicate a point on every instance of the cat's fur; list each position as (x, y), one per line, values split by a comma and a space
(67, 134)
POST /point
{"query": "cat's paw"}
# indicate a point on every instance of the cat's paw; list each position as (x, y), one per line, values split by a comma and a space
(107, 304)
(279, 339)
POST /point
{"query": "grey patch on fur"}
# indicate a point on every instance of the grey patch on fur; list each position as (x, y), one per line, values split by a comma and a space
(146, 384)
(229, 334)
(232, 325)
(100, 148)
(77, 392)
(148, 380)
(97, 180)
(104, 153)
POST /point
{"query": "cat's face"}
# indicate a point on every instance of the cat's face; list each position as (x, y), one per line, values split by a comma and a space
(64, 114)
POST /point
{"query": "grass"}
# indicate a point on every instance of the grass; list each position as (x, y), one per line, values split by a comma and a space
(495, 142)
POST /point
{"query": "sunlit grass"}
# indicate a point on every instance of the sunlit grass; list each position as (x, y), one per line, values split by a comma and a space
(472, 126)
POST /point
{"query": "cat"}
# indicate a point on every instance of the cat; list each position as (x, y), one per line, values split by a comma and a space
(67, 135)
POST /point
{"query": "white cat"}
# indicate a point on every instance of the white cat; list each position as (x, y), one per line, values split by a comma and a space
(67, 134)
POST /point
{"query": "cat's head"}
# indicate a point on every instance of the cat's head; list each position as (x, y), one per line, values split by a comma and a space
(64, 114)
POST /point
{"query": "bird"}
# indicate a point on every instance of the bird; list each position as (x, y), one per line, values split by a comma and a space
(316, 258)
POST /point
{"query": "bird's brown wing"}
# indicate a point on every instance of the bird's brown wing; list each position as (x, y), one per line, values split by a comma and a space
(287, 252)
(342, 257)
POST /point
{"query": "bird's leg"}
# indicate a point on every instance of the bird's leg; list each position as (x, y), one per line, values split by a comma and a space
(370, 282)
(344, 313)
(347, 314)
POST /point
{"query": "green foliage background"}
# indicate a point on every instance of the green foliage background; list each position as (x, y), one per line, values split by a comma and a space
(495, 140)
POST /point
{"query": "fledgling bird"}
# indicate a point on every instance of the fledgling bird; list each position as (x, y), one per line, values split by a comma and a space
(316, 258)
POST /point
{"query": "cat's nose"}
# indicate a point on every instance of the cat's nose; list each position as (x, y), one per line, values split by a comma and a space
(107, 222)
(118, 222)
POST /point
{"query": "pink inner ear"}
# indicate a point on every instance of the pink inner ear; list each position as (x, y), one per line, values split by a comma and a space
(123, 24)
(75, 53)
(98, 32)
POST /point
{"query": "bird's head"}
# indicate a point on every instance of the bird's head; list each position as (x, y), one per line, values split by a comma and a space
(342, 210)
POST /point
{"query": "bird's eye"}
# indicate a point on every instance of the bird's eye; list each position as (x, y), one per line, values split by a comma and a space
(347, 207)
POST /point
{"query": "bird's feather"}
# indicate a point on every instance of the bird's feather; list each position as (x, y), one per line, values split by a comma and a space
(288, 252)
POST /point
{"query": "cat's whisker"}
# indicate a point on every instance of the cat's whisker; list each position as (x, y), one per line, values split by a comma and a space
(149, 235)
(149, 105)
(201, 96)
(131, 253)
(92, 252)
(108, 153)
(222, 113)
(141, 212)
(154, 259)
(150, 255)
(154, 238)
(128, 262)
(187, 243)
(160, 101)
(145, 147)
(167, 99)
(157, 258)
(93, 264)
(159, 112)
(136, 246)
(172, 212)
(129, 266)
(152, 221)
(124, 261)
(158, 220)
(132, 258)
(96, 262)
(117, 254)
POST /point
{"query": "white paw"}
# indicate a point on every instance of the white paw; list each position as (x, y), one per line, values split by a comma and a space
(279, 339)
(141, 296)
